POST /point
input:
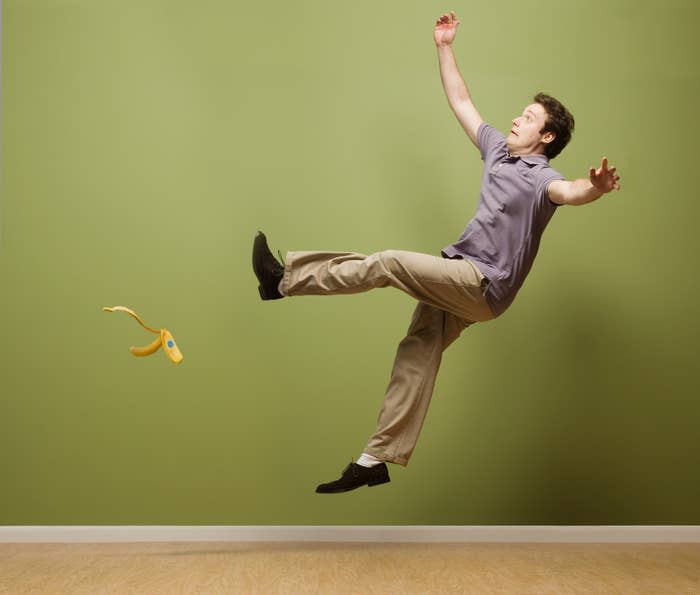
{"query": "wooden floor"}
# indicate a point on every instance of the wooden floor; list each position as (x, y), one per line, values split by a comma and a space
(327, 568)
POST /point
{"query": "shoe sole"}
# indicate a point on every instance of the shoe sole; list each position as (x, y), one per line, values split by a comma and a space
(260, 236)
(369, 484)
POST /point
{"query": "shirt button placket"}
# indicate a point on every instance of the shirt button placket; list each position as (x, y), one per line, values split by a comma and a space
(494, 171)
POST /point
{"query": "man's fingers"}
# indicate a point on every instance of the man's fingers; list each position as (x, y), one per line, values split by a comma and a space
(448, 19)
(446, 23)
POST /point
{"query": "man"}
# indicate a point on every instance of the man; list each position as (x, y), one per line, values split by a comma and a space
(475, 279)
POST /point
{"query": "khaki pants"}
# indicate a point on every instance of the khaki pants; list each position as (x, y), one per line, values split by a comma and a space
(450, 296)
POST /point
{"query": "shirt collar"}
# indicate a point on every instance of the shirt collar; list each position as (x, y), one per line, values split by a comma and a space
(533, 159)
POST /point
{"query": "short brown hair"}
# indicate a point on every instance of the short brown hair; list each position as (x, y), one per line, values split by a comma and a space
(558, 120)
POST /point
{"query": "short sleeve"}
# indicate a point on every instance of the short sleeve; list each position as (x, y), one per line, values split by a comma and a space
(489, 140)
(544, 176)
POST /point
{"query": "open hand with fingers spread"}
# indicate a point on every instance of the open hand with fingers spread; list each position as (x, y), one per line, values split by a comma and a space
(445, 29)
(604, 178)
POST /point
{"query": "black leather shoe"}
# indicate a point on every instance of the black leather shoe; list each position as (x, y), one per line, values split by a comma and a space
(355, 476)
(267, 269)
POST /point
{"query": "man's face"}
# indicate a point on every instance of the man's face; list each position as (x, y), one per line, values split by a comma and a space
(524, 137)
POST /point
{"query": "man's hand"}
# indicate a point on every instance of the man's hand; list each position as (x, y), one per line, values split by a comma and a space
(604, 179)
(445, 29)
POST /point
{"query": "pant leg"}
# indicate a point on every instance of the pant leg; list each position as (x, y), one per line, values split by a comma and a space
(451, 285)
(412, 381)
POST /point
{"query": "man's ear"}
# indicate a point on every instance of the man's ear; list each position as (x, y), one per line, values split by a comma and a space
(548, 137)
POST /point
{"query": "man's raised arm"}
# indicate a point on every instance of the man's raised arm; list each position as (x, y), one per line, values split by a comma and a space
(455, 88)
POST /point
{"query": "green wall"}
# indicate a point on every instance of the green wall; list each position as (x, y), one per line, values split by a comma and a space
(145, 142)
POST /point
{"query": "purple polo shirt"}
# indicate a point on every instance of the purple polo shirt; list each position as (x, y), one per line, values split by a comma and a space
(503, 237)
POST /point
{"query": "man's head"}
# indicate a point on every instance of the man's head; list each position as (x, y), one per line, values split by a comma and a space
(545, 126)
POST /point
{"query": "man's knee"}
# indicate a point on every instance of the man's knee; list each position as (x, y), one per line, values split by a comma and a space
(390, 260)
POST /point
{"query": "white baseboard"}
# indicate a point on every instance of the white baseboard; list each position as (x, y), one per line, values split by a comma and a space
(342, 533)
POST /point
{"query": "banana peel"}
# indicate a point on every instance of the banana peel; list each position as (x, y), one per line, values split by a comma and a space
(164, 340)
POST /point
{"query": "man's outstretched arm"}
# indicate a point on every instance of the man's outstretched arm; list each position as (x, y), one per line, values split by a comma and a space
(455, 88)
(580, 192)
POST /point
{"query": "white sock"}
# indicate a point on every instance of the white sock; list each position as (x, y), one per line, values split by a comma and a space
(366, 460)
(279, 287)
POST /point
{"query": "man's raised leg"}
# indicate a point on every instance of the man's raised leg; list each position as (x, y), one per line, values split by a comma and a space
(450, 285)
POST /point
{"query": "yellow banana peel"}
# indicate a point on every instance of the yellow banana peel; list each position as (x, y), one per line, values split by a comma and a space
(164, 340)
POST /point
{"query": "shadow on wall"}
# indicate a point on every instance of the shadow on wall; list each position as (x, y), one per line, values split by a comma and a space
(584, 418)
